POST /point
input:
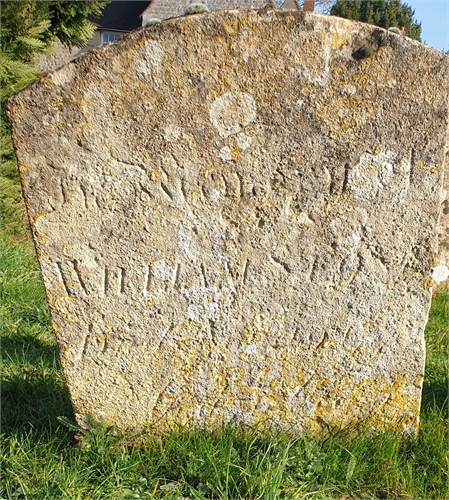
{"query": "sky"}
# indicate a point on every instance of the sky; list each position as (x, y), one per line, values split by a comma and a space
(434, 18)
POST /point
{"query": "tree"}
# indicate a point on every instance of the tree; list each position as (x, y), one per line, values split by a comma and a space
(383, 13)
(29, 28)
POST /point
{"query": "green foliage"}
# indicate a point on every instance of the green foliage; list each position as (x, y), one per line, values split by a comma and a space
(69, 20)
(383, 13)
(30, 27)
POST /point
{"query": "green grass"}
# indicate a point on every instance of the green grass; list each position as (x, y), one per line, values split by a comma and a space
(43, 457)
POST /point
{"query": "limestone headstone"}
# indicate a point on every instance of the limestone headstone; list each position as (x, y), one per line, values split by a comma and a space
(235, 215)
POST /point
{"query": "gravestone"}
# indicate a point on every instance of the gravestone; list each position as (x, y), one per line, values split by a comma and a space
(235, 216)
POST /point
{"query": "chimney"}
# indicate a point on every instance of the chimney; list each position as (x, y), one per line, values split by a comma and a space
(309, 5)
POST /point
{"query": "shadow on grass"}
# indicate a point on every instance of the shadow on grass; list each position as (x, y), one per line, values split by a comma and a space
(434, 394)
(33, 392)
(28, 349)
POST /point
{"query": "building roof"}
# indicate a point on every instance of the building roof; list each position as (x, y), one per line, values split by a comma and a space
(164, 9)
(290, 5)
(121, 15)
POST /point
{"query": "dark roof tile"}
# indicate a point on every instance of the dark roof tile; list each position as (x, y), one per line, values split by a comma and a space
(121, 15)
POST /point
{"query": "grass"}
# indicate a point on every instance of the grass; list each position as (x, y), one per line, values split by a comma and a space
(43, 456)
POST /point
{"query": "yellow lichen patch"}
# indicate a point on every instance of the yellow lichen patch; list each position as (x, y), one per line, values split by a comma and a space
(340, 205)
(155, 175)
(185, 26)
(106, 171)
(251, 334)
(208, 170)
(186, 331)
(190, 140)
(248, 22)
(306, 90)
(260, 372)
(65, 250)
(68, 309)
(378, 67)
(341, 34)
(235, 153)
(288, 384)
(183, 362)
(324, 384)
(47, 81)
(38, 216)
(56, 104)
(248, 397)
(427, 283)
(233, 375)
(401, 408)
(230, 27)
(342, 388)
(364, 355)
(327, 354)
(419, 164)
(369, 326)
(41, 239)
(87, 131)
(369, 391)
(344, 115)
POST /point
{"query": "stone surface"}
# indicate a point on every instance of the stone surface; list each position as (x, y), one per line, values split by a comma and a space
(61, 55)
(441, 270)
(235, 215)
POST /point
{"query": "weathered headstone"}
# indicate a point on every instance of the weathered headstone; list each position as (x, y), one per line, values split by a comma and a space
(235, 215)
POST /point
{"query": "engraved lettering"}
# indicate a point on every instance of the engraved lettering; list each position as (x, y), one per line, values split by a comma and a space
(83, 191)
(203, 272)
(63, 191)
(245, 270)
(177, 273)
(167, 191)
(146, 281)
(106, 281)
(79, 275)
(183, 190)
(122, 280)
(63, 278)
